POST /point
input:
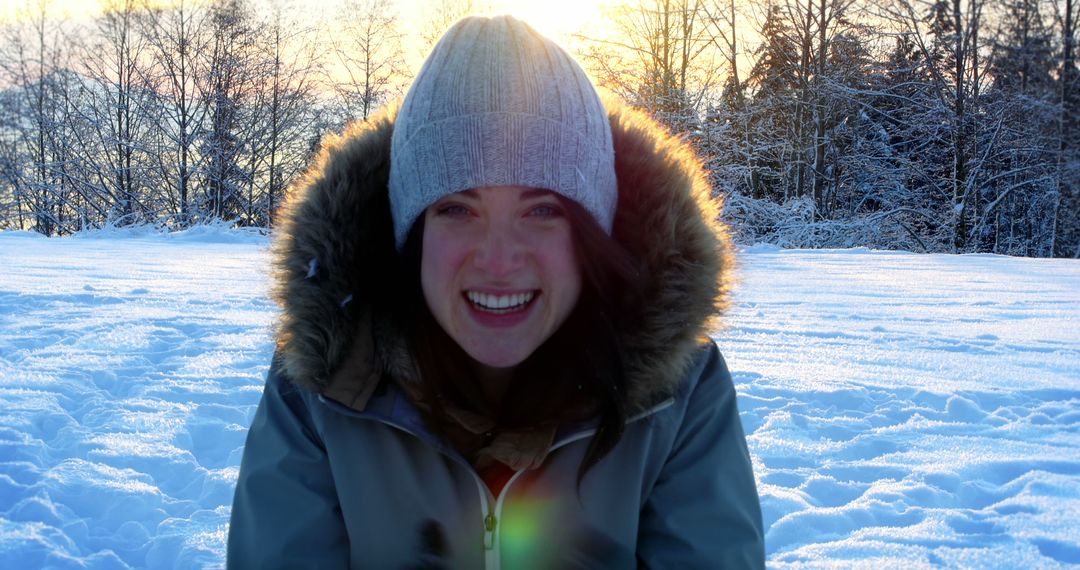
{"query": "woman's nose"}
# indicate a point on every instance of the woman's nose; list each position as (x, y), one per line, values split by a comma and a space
(498, 252)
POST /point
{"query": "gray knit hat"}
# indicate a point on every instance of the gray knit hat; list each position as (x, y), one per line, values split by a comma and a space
(498, 104)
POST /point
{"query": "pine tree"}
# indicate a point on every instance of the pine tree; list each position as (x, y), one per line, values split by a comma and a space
(773, 115)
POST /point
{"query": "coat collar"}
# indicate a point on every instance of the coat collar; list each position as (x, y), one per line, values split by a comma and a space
(335, 237)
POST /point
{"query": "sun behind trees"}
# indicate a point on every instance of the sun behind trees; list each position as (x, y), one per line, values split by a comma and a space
(911, 124)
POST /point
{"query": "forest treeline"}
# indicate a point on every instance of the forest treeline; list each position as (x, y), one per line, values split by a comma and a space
(937, 126)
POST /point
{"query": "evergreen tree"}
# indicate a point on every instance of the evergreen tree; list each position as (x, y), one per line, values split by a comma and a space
(775, 83)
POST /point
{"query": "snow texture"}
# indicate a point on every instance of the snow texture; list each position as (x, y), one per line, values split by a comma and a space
(911, 411)
(902, 410)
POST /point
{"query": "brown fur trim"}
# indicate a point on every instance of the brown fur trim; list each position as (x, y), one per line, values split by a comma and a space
(667, 218)
(335, 237)
(339, 215)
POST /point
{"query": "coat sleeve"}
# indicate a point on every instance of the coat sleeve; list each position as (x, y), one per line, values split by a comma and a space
(704, 510)
(285, 511)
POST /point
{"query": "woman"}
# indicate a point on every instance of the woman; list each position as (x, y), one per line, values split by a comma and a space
(493, 343)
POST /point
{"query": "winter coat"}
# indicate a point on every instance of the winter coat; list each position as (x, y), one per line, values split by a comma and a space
(339, 469)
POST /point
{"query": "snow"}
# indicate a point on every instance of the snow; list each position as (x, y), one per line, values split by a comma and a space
(909, 411)
(902, 410)
(130, 367)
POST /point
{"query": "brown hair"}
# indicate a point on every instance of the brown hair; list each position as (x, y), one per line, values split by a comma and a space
(576, 373)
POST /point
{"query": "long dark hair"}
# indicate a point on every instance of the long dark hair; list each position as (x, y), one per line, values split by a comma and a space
(577, 373)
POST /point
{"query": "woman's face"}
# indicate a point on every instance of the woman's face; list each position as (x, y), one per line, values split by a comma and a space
(498, 270)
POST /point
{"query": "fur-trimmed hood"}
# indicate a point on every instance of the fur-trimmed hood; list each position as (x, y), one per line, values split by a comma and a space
(335, 238)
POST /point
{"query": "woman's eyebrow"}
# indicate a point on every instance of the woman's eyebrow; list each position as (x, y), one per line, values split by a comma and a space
(534, 193)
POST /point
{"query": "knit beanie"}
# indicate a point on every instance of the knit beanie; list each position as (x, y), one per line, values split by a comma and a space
(497, 104)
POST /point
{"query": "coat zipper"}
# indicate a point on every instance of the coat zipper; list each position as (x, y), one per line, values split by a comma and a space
(492, 555)
(495, 527)
(491, 549)
(490, 521)
(492, 529)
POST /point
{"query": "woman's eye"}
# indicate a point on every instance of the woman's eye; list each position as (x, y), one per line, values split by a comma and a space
(545, 211)
(452, 210)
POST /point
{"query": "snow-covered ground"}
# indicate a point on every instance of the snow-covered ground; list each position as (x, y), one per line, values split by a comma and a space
(902, 410)
(909, 411)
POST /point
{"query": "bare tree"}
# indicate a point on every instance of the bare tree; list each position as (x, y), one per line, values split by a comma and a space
(369, 53)
(723, 21)
(177, 40)
(660, 56)
(285, 109)
(829, 19)
(11, 216)
(441, 15)
(115, 102)
(1067, 159)
(806, 31)
(35, 57)
(227, 84)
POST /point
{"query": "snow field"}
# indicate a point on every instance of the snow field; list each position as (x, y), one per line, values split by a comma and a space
(911, 410)
(129, 372)
(901, 410)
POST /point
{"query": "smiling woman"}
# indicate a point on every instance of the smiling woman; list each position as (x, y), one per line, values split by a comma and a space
(493, 342)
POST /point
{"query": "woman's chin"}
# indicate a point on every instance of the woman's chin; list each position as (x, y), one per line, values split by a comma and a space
(498, 360)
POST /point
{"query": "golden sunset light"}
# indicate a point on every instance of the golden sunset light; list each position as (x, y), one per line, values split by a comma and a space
(555, 18)
(54, 9)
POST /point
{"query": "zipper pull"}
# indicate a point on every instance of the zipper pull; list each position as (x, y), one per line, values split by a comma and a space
(489, 531)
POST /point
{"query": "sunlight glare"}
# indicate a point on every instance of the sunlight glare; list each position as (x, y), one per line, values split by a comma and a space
(54, 10)
(70, 10)
(556, 19)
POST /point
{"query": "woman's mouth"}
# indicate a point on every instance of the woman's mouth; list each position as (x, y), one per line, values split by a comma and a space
(500, 304)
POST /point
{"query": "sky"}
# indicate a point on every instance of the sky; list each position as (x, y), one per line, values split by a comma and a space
(564, 21)
(551, 17)
(557, 19)
(554, 18)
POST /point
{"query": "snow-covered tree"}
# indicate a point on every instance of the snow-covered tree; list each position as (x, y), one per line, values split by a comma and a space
(178, 39)
(660, 56)
(284, 111)
(37, 154)
(369, 52)
(227, 84)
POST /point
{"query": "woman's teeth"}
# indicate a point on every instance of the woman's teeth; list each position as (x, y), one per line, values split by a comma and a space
(499, 303)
